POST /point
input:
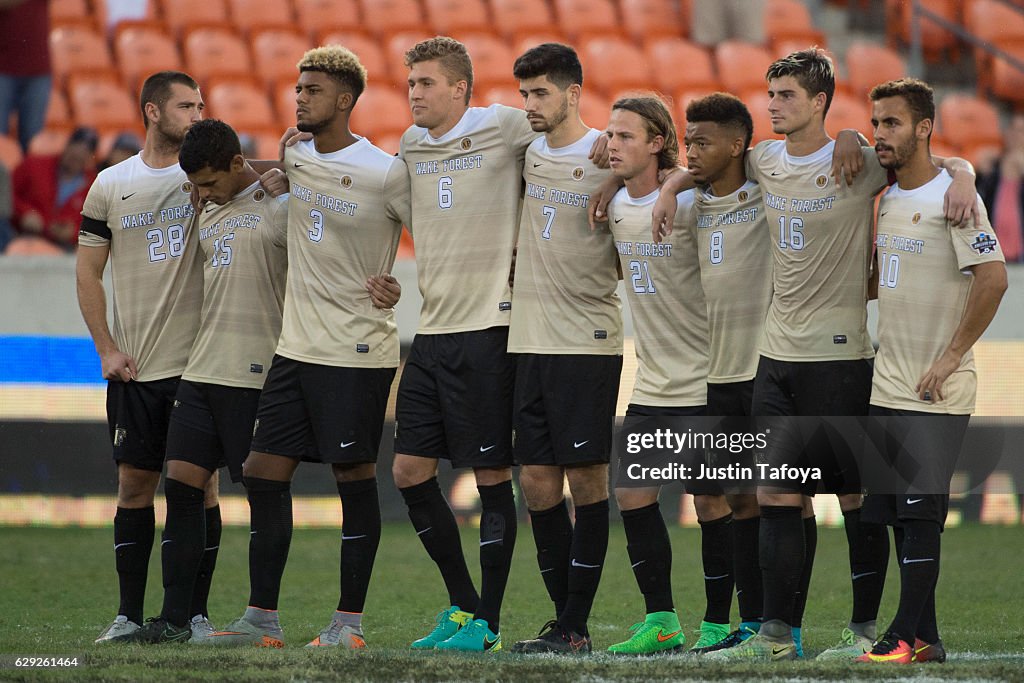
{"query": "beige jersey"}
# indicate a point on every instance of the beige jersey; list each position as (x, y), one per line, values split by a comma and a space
(670, 318)
(564, 299)
(466, 189)
(733, 243)
(923, 286)
(154, 265)
(821, 237)
(245, 263)
(345, 215)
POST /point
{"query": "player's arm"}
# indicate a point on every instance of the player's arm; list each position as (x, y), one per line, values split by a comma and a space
(873, 280)
(89, 266)
(848, 156)
(961, 203)
(986, 293)
(666, 206)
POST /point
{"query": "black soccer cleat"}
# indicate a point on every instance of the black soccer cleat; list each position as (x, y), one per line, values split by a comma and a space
(554, 638)
(156, 631)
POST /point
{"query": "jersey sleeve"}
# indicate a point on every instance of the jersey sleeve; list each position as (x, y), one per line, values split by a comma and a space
(752, 159)
(875, 177)
(279, 222)
(398, 193)
(974, 246)
(94, 230)
(515, 128)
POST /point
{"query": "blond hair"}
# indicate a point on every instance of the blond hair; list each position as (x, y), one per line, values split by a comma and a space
(339, 63)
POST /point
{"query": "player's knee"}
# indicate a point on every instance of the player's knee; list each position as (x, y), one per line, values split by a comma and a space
(743, 506)
(543, 487)
(211, 493)
(710, 507)
(136, 488)
(407, 471)
(354, 472)
(588, 485)
(632, 499)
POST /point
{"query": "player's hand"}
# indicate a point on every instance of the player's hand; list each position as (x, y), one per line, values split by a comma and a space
(929, 387)
(384, 290)
(197, 202)
(291, 137)
(847, 157)
(599, 152)
(960, 204)
(275, 182)
(663, 216)
(597, 211)
(117, 365)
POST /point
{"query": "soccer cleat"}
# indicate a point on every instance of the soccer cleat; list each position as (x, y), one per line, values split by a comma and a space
(156, 631)
(120, 627)
(925, 653)
(339, 635)
(554, 638)
(888, 650)
(448, 621)
(851, 646)
(710, 635)
(242, 632)
(756, 649)
(732, 640)
(658, 633)
(201, 628)
(475, 636)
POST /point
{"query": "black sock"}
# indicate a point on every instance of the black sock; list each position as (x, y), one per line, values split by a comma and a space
(181, 548)
(435, 525)
(589, 547)
(497, 541)
(553, 536)
(781, 555)
(747, 568)
(201, 592)
(919, 571)
(360, 537)
(869, 559)
(650, 554)
(716, 552)
(927, 623)
(133, 543)
(810, 549)
(270, 536)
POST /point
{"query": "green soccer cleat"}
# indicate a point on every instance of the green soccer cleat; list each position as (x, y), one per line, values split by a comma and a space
(658, 633)
(156, 631)
(448, 621)
(244, 633)
(737, 637)
(475, 636)
(710, 635)
(755, 649)
(851, 646)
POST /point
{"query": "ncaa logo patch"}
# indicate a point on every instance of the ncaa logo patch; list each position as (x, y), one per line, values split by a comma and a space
(578, 173)
(186, 187)
(984, 243)
(120, 434)
(916, 218)
(742, 195)
(821, 181)
(255, 426)
(466, 144)
(346, 181)
(258, 195)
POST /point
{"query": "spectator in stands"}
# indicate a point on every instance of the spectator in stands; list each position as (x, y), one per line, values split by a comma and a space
(6, 208)
(717, 20)
(125, 145)
(49, 190)
(24, 66)
(1002, 189)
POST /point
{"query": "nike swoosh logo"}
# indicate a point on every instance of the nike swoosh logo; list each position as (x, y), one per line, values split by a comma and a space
(584, 566)
(776, 651)
(252, 533)
(164, 542)
(883, 213)
(545, 571)
(618, 220)
(126, 196)
(299, 165)
(181, 635)
(774, 173)
(122, 545)
(351, 538)
(484, 450)
(913, 501)
(536, 165)
(636, 564)
(488, 643)
(420, 533)
(493, 540)
(662, 636)
(714, 578)
(923, 559)
(862, 575)
(581, 443)
(213, 548)
(346, 445)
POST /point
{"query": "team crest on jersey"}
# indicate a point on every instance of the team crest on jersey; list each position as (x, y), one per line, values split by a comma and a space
(466, 144)
(821, 181)
(186, 187)
(258, 195)
(916, 218)
(984, 243)
(120, 433)
(255, 426)
(578, 173)
(742, 196)
(346, 181)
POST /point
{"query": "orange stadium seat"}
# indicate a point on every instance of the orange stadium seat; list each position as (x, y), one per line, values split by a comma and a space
(499, 94)
(276, 52)
(992, 22)
(786, 20)
(390, 16)
(1007, 81)
(741, 66)
(318, 16)
(515, 18)
(389, 143)
(242, 104)
(646, 19)
(142, 50)
(58, 114)
(381, 110)
(492, 60)
(102, 104)
(10, 153)
(934, 38)
(284, 101)
(868, 64)
(612, 64)
(965, 121)
(69, 12)
(757, 102)
(367, 49)
(76, 48)
(216, 52)
(848, 112)
(251, 15)
(452, 17)
(678, 64)
(182, 14)
(396, 47)
(590, 17)
(595, 109)
(528, 40)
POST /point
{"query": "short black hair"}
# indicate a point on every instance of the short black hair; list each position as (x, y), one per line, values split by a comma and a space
(724, 109)
(918, 95)
(210, 143)
(157, 89)
(558, 62)
(813, 70)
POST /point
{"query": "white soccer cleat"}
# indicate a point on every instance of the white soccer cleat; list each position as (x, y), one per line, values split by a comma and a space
(851, 646)
(201, 628)
(120, 627)
(337, 635)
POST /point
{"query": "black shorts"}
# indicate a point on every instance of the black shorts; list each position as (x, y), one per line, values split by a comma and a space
(810, 455)
(637, 410)
(565, 408)
(322, 413)
(695, 487)
(138, 414)
(211, 426)
(455, 398)
(731, 398)
(830, 388)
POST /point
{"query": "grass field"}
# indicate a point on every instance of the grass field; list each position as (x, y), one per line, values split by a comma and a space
(59, 589)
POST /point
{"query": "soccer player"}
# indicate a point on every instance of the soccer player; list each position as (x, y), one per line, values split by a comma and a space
(566, 330)
(735, 272)
(938, 289)
(327, 389)
(138, 216)
(671, 331)
(242, 234)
